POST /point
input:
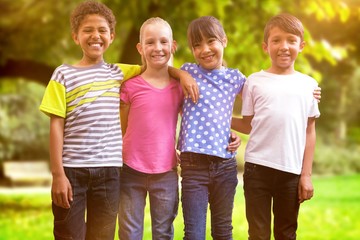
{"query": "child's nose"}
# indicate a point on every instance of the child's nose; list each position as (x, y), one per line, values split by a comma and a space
(96, 35)
(284, 45)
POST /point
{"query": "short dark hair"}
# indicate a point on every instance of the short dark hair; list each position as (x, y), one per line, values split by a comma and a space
(91, 7)
(285, 22)
(205, 26)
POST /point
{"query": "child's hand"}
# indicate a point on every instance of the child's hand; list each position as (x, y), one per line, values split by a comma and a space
(190, 87)
(235, 142)
(317, 94)
(61, 191)
(305, 189)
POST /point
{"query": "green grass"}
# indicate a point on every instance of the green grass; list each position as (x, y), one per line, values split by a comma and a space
(332, 214)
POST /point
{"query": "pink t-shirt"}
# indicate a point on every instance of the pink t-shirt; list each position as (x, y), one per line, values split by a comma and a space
(149, 142)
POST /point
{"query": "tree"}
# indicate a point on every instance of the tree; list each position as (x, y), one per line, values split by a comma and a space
(35, 38)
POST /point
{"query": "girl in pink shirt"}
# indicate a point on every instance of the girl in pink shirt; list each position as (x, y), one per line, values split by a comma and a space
(150, 104)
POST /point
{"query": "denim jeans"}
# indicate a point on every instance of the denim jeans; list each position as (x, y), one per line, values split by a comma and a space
(96, 194)
(265, 188)
(163, 190)
(207, 180)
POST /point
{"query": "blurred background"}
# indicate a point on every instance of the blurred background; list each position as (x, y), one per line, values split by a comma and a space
(35, 38)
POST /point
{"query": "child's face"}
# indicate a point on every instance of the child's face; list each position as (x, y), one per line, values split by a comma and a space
(94, 37)
(209, 53)
(283, 49)
(156, 45)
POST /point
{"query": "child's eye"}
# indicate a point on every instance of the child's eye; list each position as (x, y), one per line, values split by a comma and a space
(211, 40)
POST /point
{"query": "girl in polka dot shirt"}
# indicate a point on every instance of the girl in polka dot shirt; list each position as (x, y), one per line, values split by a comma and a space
(207, 159)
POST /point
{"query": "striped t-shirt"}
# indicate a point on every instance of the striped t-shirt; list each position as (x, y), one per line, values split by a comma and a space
(88, 98)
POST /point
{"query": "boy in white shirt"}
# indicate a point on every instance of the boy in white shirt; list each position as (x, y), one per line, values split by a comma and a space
(279, 105)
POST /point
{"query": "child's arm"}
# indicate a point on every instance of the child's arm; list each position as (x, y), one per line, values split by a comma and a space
(124, 115)
(242, 125)
(61, 191)
(187, 82)
(306, 189)
(317, 93)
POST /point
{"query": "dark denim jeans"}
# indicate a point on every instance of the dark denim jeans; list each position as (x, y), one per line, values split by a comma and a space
(163, 190)
(207, 180)
(96, 194)
(265, 188)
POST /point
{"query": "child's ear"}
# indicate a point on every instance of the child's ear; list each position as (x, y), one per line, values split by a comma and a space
(224, 42)
(75, 38)
(112, 37)
(302, 45)
(139, 48)
(265, 47)
(173, 47)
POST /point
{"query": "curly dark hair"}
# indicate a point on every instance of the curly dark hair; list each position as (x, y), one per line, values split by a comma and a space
(91, 7)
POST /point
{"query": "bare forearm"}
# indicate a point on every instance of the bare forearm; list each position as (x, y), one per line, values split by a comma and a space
(124, 115)
(309, 150)
(56, 145)
(242, 125)
(188, 83)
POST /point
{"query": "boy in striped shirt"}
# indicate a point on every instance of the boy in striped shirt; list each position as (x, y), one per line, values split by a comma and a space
(83, 101)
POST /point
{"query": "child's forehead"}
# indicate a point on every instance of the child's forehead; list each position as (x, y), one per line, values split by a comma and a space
(94, 19)
(280, 31)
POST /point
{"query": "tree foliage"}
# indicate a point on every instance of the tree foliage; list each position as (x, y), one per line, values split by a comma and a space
(35, 38)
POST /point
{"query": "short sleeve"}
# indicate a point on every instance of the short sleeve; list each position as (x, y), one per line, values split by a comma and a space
(247, 100)
(129, 70)
(54, 100)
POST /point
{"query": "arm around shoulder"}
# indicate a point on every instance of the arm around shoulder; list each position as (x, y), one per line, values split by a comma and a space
(188, 83)
(242, 125)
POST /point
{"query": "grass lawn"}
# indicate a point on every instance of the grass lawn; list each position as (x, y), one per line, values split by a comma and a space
(332, 214)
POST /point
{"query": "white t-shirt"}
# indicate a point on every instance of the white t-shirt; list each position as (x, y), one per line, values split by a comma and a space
(281, 106)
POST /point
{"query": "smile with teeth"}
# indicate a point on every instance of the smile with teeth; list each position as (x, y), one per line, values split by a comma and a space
(158, 56)
(95, 44)
(207, 57)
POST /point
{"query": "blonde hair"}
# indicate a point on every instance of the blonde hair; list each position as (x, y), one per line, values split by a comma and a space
(286, 22)
(155, 20)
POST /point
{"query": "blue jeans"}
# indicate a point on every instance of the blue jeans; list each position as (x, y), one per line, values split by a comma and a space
(163, 192)
(207, 180)
(265, 188)
(96, 194)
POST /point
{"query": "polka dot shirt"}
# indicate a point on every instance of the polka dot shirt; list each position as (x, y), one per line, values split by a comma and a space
(205, 126)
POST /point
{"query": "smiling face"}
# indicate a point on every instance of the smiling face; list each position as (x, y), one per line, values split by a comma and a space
(283, 49)
(94, 37)
(209, 53)
(156, 44)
